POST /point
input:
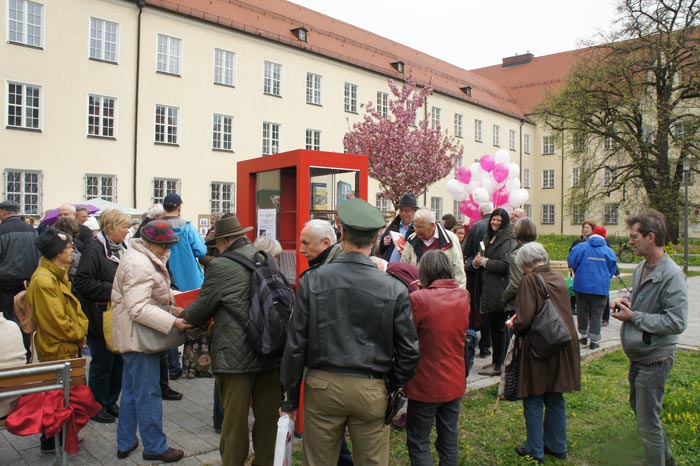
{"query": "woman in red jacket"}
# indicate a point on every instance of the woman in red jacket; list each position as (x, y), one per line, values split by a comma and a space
(441, 317)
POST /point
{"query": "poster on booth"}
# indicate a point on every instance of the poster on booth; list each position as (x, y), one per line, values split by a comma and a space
(492, 178)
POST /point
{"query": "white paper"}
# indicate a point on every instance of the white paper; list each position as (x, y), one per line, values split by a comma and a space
(267, 222)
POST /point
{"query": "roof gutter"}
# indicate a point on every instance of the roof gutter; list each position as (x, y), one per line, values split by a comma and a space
(141, 4)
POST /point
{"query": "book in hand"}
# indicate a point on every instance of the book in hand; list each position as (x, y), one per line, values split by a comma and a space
(399, 240)
(185, 298)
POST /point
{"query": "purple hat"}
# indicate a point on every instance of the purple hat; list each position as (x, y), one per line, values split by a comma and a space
(159, 232)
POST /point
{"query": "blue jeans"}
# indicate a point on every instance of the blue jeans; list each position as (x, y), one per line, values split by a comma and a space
(419, 424)
(549, 432)
(105, 375)
(647, 385)
(142, 404)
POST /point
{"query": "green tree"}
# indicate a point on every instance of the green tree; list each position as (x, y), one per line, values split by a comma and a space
(629, 108)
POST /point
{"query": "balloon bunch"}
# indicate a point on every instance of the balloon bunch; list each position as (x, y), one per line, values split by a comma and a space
(492, 179)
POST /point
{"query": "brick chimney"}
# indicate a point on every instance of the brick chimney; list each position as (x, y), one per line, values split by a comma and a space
(516, 60)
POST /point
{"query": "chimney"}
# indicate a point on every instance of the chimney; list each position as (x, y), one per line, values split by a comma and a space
(516, 60)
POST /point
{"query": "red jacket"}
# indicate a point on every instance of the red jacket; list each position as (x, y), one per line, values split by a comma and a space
(441, 317)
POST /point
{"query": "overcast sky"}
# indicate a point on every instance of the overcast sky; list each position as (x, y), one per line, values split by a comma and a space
(473, 34)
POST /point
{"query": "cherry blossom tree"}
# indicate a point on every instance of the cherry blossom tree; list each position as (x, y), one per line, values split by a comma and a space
(404, 156)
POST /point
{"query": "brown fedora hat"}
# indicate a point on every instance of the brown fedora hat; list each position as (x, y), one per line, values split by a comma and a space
(229, 226)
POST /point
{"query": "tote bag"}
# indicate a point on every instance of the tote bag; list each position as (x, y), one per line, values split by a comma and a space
(548, 335)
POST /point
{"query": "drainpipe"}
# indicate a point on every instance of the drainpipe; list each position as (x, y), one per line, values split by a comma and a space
(520, 155)
(141, 4)
(563, 178)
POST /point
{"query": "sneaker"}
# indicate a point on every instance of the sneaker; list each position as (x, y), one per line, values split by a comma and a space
(583, 341)
(594, 345)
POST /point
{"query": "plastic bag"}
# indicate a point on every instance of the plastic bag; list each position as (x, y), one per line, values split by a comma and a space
(284, 441)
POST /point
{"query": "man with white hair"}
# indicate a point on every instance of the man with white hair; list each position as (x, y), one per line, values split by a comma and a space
(430, 235)
(317, 242)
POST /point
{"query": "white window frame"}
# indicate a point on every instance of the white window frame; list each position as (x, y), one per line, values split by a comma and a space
(575, 176)
(548, 210)
(527, 178)
(458, 213)
(224, 67)
(313, 88)
(459, 125)
(103, 44)
(496, 136)
(222, 132)
(101, 186)
(608, 176)
(161, 187)
(313, 139)
(436, 206)
(168, 54)
(382, 203)
(548, 178)
(478, 130)
(169, 130)
(383, 104)
(526, 143)
(271, 138)
(102, 116)
(548, 145)
(528, 210)
(28, 191)
(578, 215)
(24, 109)
(272, 79)
(435, 118)
(222, 196)
(608, 143)
(21, 29)
(611, 214)
(578, 144)
(350, 98)
(511, 139)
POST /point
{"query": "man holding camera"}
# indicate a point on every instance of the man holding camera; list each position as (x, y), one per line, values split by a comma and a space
(652, 318)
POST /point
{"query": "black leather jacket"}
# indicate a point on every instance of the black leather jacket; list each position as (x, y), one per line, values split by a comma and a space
(349, 317)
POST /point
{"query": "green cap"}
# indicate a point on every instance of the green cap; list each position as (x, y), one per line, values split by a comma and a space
(360, 217)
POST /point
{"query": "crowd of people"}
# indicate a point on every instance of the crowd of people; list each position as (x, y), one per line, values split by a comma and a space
(382, 309)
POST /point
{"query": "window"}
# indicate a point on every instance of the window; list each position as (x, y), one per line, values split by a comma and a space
(459, 129)
(435, 117)
(547, 145)
(313, 89)
(350, 98)
(23, 106)
(608, 143)
(104, 38)
(101, 111)
(271, 138)
(610, 214)
(222, 132)
(575, 177)
(272, 79)
(526, 178)
(548, 179)
(579, 143)
(313, 139)
(477, 130)
(164, 186)
(548, 214)
(608, 176)
(102, 186)
(578, 215)
(496, 135)
(24, 187)
(167, 121)
(224, 67)
(511, 139)
(436, 206)
(458, 214)
(222, 197)
(526, 143)
(169, 51)
(383, 204)
(25, 22)
(528, 209)
(383, 104)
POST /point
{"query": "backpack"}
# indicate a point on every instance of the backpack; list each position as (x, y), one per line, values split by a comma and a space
(271, 303)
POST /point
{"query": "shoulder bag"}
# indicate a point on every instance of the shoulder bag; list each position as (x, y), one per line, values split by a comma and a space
(153, 341)
(548, 334)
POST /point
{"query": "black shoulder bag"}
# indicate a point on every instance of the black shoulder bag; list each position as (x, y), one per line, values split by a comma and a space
(548, 334)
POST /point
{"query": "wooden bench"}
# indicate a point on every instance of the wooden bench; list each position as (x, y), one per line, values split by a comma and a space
(43, 377)
(559, 266)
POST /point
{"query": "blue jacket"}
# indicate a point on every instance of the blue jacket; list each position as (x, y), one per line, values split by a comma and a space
(186, 272)
(594, 264)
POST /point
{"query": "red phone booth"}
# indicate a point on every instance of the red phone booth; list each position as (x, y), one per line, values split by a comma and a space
(278, 194)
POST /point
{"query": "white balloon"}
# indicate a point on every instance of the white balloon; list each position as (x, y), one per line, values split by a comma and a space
(469, 188)
(460, 196)
(512, 184)
(487, 182)
(518, 197)
(475, 167)
(480, 195)
(454, 187)
(502, 156)
(513, 170)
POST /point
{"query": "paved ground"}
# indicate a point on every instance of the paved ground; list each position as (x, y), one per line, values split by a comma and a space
(188, 426)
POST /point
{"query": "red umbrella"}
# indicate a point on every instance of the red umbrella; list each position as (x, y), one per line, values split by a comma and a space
(52, 215)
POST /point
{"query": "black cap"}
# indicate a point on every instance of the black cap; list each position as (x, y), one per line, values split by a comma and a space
(10, 206)
(171, 201)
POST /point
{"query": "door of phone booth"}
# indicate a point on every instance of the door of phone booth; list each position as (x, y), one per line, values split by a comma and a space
(278, 194)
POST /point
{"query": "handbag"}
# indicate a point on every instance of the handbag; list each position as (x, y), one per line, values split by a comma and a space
(107, 327)
(508, 387)
(570, 285)
(284, 441)
(152, 341)
(397, 399)
(548, 334)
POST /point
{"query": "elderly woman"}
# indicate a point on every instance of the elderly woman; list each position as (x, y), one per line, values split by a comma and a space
(61, 324)
(495, 260)
(541, 382)
(93, 284)
(524, 231)
(441, 316)
(141, 295)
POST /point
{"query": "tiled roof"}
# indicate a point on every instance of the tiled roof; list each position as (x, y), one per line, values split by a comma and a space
(329, 37)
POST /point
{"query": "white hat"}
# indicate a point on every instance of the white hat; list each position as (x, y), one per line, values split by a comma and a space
(92, 224)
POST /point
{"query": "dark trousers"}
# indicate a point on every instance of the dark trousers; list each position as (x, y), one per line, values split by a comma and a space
(164, 375)
(345, 458)
(485, 340)
(105, 375)
(497, 328)
(419, 424)
(218, 410)
(470, 349)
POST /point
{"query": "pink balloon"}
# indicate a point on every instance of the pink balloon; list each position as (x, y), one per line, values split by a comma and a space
(487, 163)
(500, 172)
(464, 175)
(468, 207)
(475, 218)
(500, 197)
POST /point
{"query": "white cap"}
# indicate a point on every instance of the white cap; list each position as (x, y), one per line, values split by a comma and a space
(92, 224)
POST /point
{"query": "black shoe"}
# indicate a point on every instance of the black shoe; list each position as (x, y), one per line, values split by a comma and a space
(113, 410)
(171, 395)
(583, 341)
(484, 353)
(104, 418)
(594, 345)
(520, 450)
(561, 456)
(175, 375)
(123, 454)
(168, 456)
